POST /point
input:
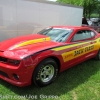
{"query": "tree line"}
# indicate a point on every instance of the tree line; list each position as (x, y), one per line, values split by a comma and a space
(89, 6)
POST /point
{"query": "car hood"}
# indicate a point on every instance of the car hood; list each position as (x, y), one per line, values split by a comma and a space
(21, 47)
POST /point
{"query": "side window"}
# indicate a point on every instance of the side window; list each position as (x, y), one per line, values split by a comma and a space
(83, 34)
(92, 34)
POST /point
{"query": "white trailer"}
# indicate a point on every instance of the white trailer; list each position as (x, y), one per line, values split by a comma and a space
(21, 17)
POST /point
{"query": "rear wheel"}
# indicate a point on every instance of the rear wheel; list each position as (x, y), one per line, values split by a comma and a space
(45, 72)
(98, 55)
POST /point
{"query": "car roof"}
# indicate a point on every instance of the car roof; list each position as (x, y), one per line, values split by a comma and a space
(72, 27)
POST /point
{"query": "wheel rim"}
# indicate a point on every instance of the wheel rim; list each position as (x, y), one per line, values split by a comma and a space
(47, 73)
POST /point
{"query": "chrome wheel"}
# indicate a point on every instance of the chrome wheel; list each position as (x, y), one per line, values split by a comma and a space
(47, 73)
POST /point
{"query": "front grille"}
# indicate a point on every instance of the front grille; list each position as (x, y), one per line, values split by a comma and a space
(2, 59)
(4, 74)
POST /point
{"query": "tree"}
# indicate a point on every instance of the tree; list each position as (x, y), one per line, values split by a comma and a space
(88, 5)
(98, 8)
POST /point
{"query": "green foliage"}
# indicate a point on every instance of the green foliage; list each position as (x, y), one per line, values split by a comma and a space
(88, 5)
(75, 2)
(82, 82)
(98, 8)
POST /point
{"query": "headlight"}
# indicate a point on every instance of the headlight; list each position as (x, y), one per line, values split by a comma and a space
(13, 62)
(9, 61)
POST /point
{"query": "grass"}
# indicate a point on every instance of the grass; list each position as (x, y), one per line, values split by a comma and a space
(82, 82)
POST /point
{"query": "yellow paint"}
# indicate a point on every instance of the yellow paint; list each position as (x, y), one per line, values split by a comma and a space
(69, 55)
(68, 46)
(32, 42)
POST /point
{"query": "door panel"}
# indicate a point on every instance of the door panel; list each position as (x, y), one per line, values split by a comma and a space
(79, 52)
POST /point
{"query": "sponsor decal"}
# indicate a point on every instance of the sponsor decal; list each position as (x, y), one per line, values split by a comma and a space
(72, 51)
(76, 53)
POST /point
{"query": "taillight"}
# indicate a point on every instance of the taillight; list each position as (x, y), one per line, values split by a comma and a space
(13, 62)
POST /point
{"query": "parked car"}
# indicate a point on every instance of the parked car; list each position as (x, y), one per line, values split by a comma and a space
(38, 58)
(92, 22)
(94, 19)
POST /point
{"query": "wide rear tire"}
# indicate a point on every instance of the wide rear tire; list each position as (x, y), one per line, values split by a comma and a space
(98, 55)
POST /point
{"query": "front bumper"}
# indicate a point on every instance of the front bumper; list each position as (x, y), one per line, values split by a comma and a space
(24, 74)
(19, 84)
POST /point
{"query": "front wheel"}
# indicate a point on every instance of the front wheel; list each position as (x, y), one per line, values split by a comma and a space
(45, 72)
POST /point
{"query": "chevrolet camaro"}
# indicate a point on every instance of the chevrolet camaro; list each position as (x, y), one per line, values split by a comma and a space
(38, 58)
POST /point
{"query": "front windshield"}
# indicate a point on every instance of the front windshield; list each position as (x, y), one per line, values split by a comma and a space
(57, 34)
